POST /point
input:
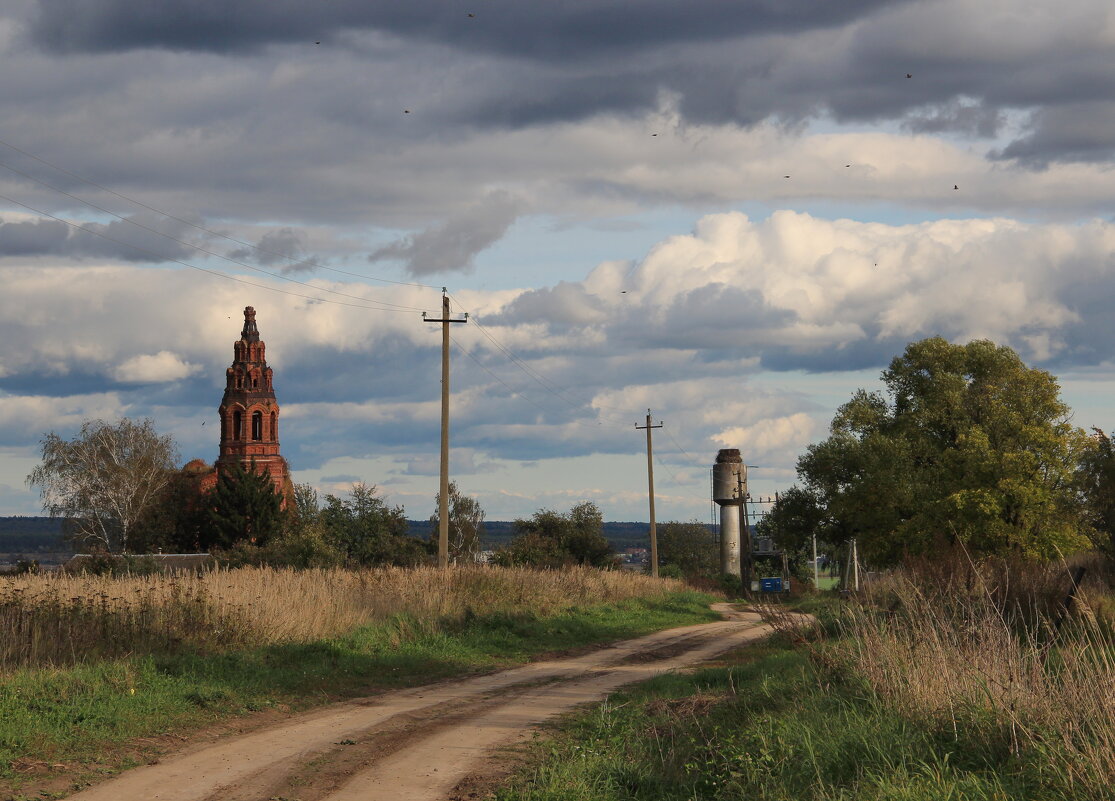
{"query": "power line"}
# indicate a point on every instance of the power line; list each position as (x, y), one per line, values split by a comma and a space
(217, 273)
(688, 455)
(552, 389)
(548, 385)
(514, 392)
(209, 231)
(199, 248)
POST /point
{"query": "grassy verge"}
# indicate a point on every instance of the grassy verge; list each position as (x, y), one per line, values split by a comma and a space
(769, 725)
(82, 712)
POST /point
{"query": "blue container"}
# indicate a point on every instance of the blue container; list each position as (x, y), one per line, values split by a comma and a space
(770, 584)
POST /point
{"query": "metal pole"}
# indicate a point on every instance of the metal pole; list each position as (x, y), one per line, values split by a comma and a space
(855, 564)
(650, 490)
(816, 573)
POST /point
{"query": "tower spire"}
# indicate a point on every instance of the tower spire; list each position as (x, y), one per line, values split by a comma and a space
(250, 332)
(249, 411)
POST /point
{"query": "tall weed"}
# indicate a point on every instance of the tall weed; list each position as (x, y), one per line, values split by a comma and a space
(53, 619)
(991, 653)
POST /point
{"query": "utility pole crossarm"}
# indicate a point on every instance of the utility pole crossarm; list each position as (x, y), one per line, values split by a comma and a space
(650, 483)
(443, 500)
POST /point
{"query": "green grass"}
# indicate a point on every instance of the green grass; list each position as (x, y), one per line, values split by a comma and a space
(769, 727)
(80, 713)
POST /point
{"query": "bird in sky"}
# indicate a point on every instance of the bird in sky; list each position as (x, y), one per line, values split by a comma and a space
(406, 111)
(654, 134)
(317, 42)
(954, 186)
(785, 176)
(908, 75)
(472, 16)
(847, 165)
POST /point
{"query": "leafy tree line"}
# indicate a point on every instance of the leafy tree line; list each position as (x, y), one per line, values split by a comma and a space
(553, 540)
(965, 444)
(118, 490)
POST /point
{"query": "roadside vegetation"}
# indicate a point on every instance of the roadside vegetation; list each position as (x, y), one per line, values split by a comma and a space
(92, 663)
(970, 665)
(951, 680)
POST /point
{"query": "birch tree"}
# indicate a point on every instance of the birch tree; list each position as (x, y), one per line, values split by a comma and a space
(466, 525)
(105, 479)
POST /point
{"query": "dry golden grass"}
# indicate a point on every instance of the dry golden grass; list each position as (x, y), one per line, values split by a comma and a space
(60, 619)
(976, 655)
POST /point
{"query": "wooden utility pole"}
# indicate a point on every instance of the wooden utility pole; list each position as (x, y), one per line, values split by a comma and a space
(650, 485)
(443, 499)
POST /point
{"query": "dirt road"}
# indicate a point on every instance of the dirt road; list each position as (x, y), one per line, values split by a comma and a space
(417, 744)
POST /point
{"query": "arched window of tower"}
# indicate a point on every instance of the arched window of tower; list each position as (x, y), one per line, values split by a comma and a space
(237, 424)
(257, 426)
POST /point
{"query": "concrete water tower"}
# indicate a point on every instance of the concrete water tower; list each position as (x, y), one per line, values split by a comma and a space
(729, 488)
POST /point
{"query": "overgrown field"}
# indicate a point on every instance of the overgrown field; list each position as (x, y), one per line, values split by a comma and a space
(90, 664)
(55, 619)
(949, 681)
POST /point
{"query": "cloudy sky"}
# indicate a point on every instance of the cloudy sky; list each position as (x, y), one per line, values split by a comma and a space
(733, 213)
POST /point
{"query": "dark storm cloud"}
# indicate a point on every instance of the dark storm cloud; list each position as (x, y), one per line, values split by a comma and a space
(234, 103)
(863, 354)
(397, 372)
(563, 306)
(563, 31)
(116, 240)
(452, 245)
(1082, 132)
(284, 247)
(970, 119)
(77, 381)
(713, 316)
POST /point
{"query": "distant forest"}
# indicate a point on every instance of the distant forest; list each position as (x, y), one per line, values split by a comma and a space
(31, 535)
(500, 532)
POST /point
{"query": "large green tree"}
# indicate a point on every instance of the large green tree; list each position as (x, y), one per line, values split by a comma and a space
(967, 443)
(243, 507)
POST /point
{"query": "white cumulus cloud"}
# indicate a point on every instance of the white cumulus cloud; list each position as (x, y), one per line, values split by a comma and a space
(154, 368)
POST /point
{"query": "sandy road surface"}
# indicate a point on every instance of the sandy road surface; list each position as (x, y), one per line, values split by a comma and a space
(416, 744)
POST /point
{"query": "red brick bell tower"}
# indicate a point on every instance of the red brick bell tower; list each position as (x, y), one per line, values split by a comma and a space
(249, 411)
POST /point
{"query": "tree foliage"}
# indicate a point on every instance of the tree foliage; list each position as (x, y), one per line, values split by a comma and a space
(244, 507)
(105, 479)
(466, 525)
(1096, 476)
(368, 531)
(966, 444)
(178, 521)
(550, 539)
(691, 547)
